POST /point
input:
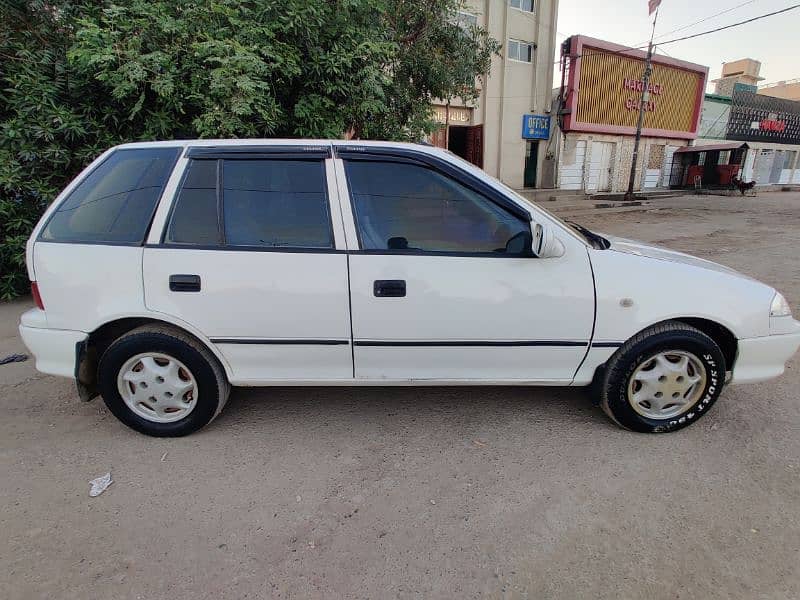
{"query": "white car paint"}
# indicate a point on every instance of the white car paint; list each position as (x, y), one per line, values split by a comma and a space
(247, 296)
(464, 299)
(297, 296)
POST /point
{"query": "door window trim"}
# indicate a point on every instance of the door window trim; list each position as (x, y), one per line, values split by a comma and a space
(437, 164)
(218, 154)
(427, 161)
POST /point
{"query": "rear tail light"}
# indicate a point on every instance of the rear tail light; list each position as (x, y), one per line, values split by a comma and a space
(37, 297)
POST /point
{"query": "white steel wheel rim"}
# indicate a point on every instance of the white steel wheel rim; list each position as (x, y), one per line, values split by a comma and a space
(157, 387)
(667, 384)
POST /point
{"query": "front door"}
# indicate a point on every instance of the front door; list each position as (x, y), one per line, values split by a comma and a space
(777, 167)
(531, 158)
(764, 166)
(599, 179)
(249, 258)
(438, 290)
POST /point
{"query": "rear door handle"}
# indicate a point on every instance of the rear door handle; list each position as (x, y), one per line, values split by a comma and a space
(389, 288)
(184, 283)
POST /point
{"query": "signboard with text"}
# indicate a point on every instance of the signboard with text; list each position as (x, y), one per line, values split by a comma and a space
(452, 115)
(605, 90)
(536, 127)
(758, 118)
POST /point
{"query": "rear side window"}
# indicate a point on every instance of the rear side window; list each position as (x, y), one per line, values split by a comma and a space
(116, 201)
(262, 203)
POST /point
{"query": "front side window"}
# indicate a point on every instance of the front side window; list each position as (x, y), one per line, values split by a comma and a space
(408, 207)
(518, 50)
(264, 203)
(116, 201)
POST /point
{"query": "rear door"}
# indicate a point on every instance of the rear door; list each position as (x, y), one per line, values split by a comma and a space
(437, 288)
(252, 256)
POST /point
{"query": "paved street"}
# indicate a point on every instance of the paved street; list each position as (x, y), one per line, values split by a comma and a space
(420, 493)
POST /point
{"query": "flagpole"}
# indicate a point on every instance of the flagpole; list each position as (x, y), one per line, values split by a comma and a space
(644, 98)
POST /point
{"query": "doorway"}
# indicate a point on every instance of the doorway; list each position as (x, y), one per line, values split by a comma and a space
(466, 142)
(531, 159)
(457, 140)
(599, 179)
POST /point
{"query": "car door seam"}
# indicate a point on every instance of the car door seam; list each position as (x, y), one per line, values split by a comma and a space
(591, 343)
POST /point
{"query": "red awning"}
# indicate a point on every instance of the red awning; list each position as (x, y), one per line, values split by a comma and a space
(710, 147)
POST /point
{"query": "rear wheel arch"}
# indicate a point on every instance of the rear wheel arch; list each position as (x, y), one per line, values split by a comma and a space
(88, 353)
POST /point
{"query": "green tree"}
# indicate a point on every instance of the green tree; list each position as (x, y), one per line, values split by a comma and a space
(79, 76)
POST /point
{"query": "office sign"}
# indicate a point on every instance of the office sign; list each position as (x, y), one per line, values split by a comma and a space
(536, 127)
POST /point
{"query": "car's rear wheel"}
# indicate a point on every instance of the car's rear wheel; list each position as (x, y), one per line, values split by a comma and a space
(162, 382)
(663, 379)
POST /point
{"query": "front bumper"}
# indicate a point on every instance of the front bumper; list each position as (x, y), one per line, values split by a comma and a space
(762, 358)
(55, 349)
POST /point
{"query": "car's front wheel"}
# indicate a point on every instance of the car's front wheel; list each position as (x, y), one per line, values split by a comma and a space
(663, 378)
(162, 382)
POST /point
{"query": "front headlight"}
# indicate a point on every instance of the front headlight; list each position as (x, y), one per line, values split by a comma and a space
(779, 307)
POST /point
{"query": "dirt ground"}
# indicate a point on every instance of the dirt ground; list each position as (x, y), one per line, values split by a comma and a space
(419, 493)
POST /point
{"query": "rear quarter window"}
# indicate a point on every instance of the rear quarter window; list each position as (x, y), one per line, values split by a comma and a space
(116, 201)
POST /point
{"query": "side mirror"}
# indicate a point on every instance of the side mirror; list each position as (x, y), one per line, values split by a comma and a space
(520, 244)
(545, 244)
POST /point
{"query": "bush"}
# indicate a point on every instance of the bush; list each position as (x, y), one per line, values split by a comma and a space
(79, 76)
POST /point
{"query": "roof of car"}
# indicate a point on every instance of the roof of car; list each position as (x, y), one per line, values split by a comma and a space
(277, 142)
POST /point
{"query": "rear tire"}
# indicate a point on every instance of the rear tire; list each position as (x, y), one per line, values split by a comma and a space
(663, 379)
(162, 382)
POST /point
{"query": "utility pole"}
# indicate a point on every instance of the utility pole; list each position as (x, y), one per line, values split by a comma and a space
(648, 68)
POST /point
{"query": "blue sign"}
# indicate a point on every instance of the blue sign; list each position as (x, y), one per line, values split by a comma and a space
(536, 127)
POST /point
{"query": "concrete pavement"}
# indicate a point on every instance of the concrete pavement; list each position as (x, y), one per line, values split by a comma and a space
(415, 492)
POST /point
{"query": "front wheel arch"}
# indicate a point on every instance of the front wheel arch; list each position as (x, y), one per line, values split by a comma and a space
(663, 339)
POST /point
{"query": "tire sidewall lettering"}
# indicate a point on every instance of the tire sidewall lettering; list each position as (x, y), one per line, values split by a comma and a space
(713, 386)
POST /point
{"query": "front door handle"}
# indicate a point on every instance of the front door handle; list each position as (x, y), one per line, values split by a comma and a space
(184, 283)
(389, 288)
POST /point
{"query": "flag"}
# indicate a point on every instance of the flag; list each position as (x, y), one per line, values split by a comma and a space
(653, 5)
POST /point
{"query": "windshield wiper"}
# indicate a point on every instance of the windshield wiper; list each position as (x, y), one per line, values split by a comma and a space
(596, 240)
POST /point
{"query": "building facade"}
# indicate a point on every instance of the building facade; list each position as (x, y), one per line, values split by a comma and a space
(743, 71)
(506, 131)
(714, 117)
(788, 90)
(769, 125)
(598, 108)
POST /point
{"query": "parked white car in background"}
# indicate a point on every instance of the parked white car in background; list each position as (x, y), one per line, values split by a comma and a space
(169, 271)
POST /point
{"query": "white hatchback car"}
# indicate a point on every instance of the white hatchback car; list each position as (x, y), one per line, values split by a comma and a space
(169, 271)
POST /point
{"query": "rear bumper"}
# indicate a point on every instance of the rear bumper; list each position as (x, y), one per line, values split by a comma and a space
(765, 357)
(55, 349)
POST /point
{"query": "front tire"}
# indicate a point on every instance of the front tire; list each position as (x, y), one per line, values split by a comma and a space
(663, 379)
(162, 382)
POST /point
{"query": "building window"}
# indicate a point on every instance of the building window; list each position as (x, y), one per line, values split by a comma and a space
(526, 5)
(466, 20)
(518, 50)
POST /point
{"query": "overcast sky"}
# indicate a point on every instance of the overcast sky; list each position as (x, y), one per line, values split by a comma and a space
(775, 41)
